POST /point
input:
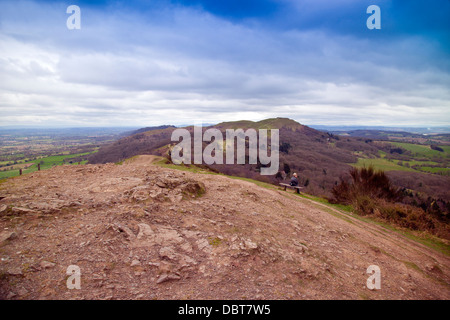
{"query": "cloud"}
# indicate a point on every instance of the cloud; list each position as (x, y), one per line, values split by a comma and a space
(144, 64)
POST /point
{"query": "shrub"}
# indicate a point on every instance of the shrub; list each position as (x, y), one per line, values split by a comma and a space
(366, 182)
(437, 148)
(371, 193)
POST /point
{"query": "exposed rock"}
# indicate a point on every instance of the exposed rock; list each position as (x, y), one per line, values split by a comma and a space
(186, 247)
(127, 231)
(168, 252)
(301, 246)
(250, 245)
(176, 198)
(154, 264)
(22, 291)
(15, 272)
(144, 231)
(190, 234)
(7, 235)
(50, 207)
(194, 189)
(11, 295)
(167, 277)
(19, 210)
(168, 236)
(47, 264)
(3, 208)
(157, 195)
(161, 184)
(135, 263)
(204, 245)
(186, 261)
(140, 194)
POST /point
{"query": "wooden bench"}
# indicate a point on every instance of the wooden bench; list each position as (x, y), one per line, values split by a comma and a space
(285, 185)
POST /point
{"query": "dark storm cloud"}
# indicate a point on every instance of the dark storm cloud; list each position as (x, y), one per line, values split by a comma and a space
(314, 61)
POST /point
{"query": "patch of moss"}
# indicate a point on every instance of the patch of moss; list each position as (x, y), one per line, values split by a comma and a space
(363, 296)
(194, 189)
(412, 265)
(214, 241)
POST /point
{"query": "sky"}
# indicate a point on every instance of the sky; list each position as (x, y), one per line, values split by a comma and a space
(145, 63)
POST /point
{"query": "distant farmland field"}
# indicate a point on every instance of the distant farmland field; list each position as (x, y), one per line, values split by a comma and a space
(45, 162)
(381, 164)
(421, 158)
(423, 150)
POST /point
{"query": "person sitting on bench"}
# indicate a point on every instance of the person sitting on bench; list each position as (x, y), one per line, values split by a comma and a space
(294, 180)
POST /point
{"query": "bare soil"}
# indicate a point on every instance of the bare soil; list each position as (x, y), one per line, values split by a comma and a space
(139, 231)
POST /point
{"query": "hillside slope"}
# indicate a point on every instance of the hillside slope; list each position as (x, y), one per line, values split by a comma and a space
(140, 231)
(321, 158)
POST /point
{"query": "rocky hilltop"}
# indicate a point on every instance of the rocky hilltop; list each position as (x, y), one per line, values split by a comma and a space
(141, 231)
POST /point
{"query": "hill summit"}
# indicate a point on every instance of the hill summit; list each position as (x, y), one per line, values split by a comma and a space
(142, 231)
(272, 123)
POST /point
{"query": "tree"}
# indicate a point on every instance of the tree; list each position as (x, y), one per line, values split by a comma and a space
(284, 147)
(306, 183)
(286, 168)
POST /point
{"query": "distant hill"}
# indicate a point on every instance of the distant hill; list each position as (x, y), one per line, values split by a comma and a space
(413, 130)
(378, 134)
(140, 143)
(273, 123)
(320, 158)
(150, 129)
(392, 135)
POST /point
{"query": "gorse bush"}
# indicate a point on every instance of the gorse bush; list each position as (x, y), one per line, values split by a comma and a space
(366, 184)
(371, 192)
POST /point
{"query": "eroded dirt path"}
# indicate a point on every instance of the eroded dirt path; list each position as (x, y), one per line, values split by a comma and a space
(139, 231)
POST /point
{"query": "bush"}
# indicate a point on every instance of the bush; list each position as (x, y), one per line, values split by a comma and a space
(371, 193)
(366, 183)
(437, 148)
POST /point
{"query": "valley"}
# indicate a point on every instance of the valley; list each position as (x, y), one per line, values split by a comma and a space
(27, 148)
